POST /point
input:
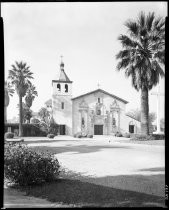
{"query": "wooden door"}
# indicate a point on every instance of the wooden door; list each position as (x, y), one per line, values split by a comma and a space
(98, 129)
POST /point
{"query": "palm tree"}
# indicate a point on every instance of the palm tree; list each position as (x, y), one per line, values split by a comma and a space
(30, 95)
(26, 113)
(19, 76)
(9, 91)
(143, 57)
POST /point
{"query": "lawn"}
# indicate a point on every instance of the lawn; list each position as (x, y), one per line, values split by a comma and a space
(78, 191)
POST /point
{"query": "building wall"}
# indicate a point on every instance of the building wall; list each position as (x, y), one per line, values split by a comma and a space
(91, 100)
(126, 121)
(62, 116)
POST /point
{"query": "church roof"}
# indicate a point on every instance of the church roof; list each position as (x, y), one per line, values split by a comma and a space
(103, 91)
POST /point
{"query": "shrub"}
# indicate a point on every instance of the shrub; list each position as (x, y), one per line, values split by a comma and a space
(118, 134)
(34, 121)
(50, 135)
(78, 135)
(126, 135)
(26, 167)
(158, 136)
(9, 135)
(142, 137)
(89, 136)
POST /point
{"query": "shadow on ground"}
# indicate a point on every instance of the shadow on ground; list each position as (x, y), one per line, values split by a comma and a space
(87, 194)
(76, 149)
(46, 141)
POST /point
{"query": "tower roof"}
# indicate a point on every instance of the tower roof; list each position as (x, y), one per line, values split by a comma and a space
(62, 76)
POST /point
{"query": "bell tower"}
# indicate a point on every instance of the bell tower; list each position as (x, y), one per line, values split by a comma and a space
(61, 101)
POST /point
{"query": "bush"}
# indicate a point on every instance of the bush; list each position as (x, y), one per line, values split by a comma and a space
(89, 136)
(118, 134)
(50, 135)
(78, 135)
(126, 135)
(9, 135)
(26, 167)
(34, 121)
(142, 137)
(158, 136)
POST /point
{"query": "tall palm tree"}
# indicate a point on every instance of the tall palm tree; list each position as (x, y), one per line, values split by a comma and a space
(26, 113)
(20, 76)
(143, 57)
(9, 91)
(30, 95)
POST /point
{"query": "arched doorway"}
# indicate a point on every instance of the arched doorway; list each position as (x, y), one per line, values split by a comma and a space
(131, 127)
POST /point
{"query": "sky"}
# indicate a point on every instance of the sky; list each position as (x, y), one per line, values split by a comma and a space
(85, 34)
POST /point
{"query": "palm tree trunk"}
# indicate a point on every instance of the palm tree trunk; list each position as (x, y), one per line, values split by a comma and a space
(20, 116)
(144, 111)
(5, 114)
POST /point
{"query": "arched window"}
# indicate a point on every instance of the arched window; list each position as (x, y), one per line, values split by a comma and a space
(66, 88)
(58, 87)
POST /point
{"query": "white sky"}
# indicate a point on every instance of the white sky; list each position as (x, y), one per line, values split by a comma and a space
(85, 34)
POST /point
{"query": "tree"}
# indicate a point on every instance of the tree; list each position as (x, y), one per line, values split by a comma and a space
(47, 122)
(9, 91)
(26, 113)
(30, 95)
(44, 114)
(136, 114)
(143, 57)
(20, 76)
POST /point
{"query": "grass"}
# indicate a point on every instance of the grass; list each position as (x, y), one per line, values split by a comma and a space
(78, 191)
(73, 189)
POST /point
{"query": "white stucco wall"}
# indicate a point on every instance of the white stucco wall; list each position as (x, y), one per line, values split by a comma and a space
(91, 100)
(62, 116)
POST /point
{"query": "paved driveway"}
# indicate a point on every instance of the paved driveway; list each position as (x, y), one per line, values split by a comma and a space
(109, 162)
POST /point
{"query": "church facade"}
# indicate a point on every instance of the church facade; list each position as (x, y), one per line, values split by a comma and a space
(97, 112)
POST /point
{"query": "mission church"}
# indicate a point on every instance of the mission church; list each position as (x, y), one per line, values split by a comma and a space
(97, 112)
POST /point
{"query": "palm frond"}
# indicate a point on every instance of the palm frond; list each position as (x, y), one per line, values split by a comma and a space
(149, 20)
(141, 19)
(127, 42)
(133, 28)
(123, 64)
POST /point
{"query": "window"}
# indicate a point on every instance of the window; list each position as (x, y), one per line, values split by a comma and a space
(83, 121)
(98, 100)
(98, 112)
(114, 121)
(58, 87)
(62, 105)
(66, 88)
